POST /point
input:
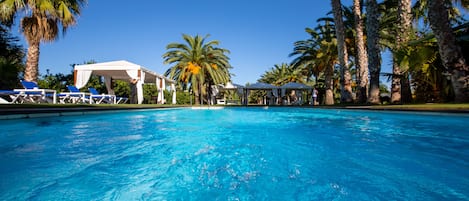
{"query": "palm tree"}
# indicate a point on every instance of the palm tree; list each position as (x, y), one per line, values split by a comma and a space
(374, 59)
(346, 78)
(403, 37)
(197, 64)
(430, 83)
(362, 58)
(282, 74)
(319, 53)
(395, 25)
(306, 52)
(450, 52)
(40, 23)
(399, 77)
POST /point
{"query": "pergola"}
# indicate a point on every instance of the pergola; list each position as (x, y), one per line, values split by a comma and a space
(124, 70)
(295, 86)
(271, 90)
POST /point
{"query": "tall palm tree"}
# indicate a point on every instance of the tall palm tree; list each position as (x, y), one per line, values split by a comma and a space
(374, 59)
(393, 27)
(320, 54)
(346, 78)
(328, 61)
(399, 77)
(403, 37)
(41, 22)
(306, 55)
(362, 57)
(305, 52)
(197, 64)
(450, 52)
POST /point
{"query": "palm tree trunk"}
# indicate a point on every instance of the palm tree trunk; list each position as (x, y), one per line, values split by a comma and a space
(400, 86)
(396, 81)
(361, 57)
(450, 52)
(374, 60)
(345, 76)
(406, 92)
(329, 72)
(32, 62)
(405, 17)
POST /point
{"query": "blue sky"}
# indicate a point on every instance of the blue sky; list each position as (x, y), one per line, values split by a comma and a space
(259, 33)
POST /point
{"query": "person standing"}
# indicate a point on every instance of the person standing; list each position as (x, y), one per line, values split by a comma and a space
(315, 95)
(133, 91)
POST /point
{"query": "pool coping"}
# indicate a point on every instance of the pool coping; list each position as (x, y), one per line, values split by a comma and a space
(20, 113)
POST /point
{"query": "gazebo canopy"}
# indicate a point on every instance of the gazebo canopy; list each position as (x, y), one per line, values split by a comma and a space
(260, 85)
(295, 85)
(122, 70)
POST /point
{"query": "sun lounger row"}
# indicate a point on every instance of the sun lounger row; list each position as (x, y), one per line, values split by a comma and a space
(33, 94)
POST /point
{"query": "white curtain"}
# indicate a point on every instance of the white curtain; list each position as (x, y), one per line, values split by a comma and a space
(142, 76)
(173, 89)
(160, 90)
(82, 78)
(300, 96)
(275, 93)
(140, 87)
(108, 82)
(163, 87)
(269, 97)
(133, 74)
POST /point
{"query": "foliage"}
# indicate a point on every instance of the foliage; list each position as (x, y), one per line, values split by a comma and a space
(121, 88)
(317, 56)
(183, 97)
(383, 88)
(40, 22)
(150, 93)
(58, 81)
(256, 96)
(282, 74)
(197, 64)
(11, 60)
(96, 82)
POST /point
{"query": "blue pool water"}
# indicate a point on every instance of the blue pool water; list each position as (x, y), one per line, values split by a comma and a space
(236, 154)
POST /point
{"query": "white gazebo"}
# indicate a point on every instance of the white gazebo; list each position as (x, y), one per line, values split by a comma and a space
(124, 70)
(270, 89)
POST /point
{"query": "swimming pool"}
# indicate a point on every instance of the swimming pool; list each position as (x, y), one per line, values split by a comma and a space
(236, 154)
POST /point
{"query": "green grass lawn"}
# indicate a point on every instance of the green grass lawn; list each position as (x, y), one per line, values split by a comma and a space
(460, 107)
(428, 106)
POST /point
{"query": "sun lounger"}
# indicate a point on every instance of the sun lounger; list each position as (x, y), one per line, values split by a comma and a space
(10, 97)
(121, 100)
(97, 98)
(116, 99)
(32, 93)
(74, 96)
